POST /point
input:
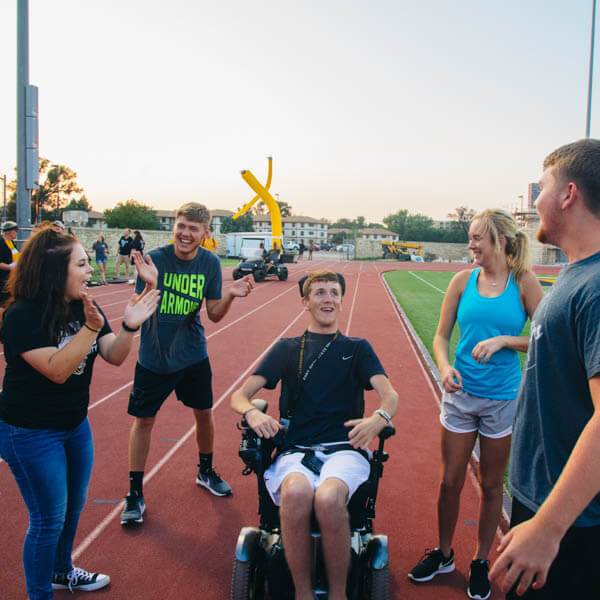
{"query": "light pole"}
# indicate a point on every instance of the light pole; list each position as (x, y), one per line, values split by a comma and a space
(4, 197)
(57, 167)
(591, 75)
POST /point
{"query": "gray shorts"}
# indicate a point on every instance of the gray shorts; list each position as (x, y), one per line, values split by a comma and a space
(462, 412)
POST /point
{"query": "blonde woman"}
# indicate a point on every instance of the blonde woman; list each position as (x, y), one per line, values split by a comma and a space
(491, 304)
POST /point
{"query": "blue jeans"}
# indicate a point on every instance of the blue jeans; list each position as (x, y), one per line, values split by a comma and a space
(52, 469)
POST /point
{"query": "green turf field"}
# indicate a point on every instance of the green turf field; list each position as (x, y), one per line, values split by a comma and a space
(420, 294)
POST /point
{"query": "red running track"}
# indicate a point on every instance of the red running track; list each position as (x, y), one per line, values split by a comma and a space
(184, 549)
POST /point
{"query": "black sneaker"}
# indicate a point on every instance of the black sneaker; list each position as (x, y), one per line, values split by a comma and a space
(78, 579)
(133, 510)
(479, 584)
(433, 563)
(211, 480)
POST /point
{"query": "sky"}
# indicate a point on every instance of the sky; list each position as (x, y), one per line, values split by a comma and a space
(367, 107)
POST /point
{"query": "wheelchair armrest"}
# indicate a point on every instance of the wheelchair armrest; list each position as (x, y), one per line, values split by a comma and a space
(387, 432)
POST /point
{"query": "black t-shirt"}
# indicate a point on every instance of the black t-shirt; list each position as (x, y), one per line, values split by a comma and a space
(6, 258)
(138, 245)
(125, 244)
(29, 399)
(334, 390)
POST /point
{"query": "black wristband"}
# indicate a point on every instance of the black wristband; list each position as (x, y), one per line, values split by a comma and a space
(130, 329)
(88, 327)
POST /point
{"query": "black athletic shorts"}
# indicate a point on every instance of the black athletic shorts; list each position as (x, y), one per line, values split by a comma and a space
(572, 574)
(192, 386)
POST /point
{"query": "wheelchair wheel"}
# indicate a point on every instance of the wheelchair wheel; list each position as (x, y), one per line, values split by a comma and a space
(247, 581)
(379, 580)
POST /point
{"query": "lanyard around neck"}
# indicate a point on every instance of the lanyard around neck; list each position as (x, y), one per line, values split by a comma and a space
(304, 377)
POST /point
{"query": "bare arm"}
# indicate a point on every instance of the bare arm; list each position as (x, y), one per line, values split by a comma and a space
(261, 423)
(451, 379)
(217, 309)
(147, 272)
(529, 549)
(365, 430)
(115, 348)
(59, 364)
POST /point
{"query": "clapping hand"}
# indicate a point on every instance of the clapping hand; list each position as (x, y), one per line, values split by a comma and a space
(145, 268)
(137, 311)
(93, 317)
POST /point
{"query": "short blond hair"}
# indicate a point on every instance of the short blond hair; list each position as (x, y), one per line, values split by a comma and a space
(194, 211)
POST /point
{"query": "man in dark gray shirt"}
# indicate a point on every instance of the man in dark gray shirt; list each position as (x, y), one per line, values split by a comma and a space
(173, 354)
(551, 549)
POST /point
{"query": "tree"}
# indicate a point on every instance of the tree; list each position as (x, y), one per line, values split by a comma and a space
(58, 185)
(397, 222)
(463, 217)
(284, 208)
(242, 223)
(81, 204)
(131, 214)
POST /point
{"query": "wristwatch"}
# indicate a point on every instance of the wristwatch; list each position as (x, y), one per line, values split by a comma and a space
(384, 414)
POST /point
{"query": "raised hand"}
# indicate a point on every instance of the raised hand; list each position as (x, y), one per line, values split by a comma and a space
(145, 268)
(93, 317)
(242, 287)
(137, 311)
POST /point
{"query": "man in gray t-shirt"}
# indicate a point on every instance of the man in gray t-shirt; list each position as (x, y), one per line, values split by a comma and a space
(551, 549)
(172, 354)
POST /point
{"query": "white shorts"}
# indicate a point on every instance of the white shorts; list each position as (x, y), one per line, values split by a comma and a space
(349, 466)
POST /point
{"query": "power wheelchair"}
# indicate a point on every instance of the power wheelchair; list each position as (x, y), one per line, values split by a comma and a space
(260, 571)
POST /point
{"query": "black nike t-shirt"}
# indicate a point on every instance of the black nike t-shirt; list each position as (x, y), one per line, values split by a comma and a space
(333, 391)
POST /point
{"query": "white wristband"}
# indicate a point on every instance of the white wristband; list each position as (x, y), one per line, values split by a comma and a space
(382, 413)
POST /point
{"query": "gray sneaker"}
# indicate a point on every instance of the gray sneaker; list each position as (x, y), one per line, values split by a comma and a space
(133, 510)
(212, 481)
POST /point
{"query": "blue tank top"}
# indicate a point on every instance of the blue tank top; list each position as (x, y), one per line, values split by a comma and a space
(480, 318)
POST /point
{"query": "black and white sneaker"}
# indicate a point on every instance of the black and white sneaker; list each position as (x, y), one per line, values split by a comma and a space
(133, 510)
(479, 584)
(431, 564)
(212, 481)
(78, 579)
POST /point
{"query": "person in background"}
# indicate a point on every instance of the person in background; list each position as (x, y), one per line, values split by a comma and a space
(8, 257)
(551, 550)
(123, 253)
(209, 243)
(311, 247)
(491, 304)
(301, 249)
(52, 332)
(100, 247)
(138, 245)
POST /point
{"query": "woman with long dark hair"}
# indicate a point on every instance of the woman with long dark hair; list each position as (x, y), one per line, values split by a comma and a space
(52, 332)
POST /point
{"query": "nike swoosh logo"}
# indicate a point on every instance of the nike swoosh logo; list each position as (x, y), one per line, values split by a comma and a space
(346, 357)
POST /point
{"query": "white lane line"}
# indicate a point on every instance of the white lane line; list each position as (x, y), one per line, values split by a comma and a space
(117, 509)
(353, 300)
(427, 282)
(109, 395)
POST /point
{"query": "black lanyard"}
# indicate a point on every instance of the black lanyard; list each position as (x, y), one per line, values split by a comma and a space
(301, 378)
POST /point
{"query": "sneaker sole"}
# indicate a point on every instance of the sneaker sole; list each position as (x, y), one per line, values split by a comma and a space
(477, 596)
(204, 485)
(87, 588)
(441, 570)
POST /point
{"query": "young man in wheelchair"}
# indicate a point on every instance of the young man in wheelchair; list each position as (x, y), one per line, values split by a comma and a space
(323, 375)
